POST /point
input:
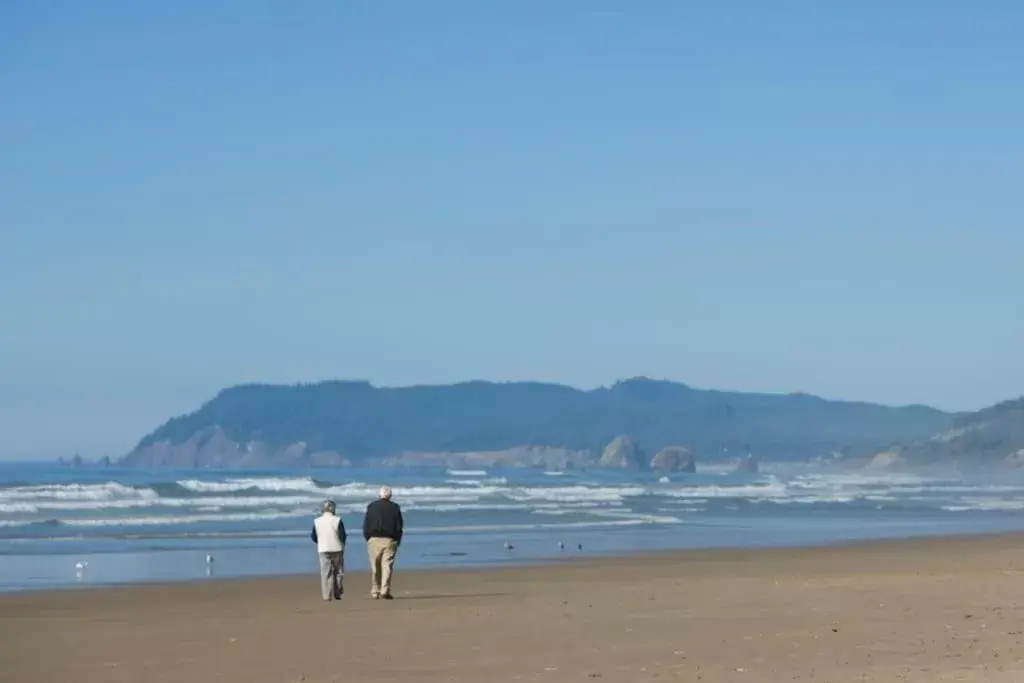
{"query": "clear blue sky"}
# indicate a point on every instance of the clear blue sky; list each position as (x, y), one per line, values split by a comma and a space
(752, 195)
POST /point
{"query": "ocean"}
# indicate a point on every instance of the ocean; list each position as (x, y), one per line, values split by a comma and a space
(63, 527)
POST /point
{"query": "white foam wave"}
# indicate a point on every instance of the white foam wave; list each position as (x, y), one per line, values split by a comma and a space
(463, 507)
(574, 494)
(806, 500)
(96, 492)
(857, 479)
(183, 519)
(271, 484)
(493, 481)
(15, 523)
(985, 505)
(629, 514)
(91, 505)
(770, 489)
(252, 499)
(17, 508)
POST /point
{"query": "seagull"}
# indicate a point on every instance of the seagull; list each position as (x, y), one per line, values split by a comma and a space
(561, 546)
(579, 546)
(508, 546)
(81, 565)
(209, 558)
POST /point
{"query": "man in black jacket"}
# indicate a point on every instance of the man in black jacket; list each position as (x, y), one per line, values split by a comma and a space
(382, 529)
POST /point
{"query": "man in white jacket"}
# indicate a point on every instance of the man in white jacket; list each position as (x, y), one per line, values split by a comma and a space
(329, 536)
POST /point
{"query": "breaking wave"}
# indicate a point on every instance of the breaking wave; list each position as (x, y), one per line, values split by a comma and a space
(271, 503)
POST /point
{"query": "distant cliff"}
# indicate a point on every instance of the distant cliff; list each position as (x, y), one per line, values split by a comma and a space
(515, 424)
(993, 436)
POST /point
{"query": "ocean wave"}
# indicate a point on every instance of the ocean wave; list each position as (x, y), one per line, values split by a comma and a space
(269, 484)
(47, 534)
(985, 505)
(149, 503)
(808, 500)
(463, 507)
(98, 492)
(17, 508)
(252, 500)
(6, 523)
(477, 483)
(770, 489)
(171, 520)
(573, 494)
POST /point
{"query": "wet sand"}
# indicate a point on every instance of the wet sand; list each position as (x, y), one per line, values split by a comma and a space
(920, 610)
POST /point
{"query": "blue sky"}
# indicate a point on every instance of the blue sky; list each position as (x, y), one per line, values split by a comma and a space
(779, 196)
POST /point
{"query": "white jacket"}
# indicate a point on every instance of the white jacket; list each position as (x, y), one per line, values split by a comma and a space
(327, 538)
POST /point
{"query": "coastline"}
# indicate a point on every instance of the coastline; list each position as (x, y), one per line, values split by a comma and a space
(148, 526)
(609, 558)
(923, 609)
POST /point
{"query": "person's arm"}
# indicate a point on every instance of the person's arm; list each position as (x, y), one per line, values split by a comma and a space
(312, 534)
(366, 522)
(342, 535)
(399, 524)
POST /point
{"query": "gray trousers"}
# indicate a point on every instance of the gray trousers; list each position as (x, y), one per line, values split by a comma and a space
(332, 574)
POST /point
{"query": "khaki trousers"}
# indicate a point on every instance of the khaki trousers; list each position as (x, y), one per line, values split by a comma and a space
(382, 563)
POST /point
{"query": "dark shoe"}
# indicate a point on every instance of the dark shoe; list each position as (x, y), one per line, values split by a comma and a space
(387, 596)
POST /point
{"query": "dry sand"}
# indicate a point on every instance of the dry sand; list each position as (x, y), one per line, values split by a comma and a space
(922, 610)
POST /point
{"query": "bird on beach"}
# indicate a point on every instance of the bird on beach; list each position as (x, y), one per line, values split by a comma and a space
(209, 558)
(561, 546)
(579, 546)
(508, 546)
(81, 565)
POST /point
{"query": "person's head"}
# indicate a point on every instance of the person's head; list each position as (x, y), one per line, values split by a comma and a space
(329, 506)
(385, 493)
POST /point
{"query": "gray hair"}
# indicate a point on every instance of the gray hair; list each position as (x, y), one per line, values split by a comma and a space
(329, 506)
(385, 492)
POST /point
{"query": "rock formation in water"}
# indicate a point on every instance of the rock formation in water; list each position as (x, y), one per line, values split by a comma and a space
(748, 464)
(674, 459)
(886, 460)
(622, 454)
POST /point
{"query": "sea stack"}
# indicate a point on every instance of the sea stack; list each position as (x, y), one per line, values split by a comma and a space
(748, 464)
(622, 454)
(674, 459)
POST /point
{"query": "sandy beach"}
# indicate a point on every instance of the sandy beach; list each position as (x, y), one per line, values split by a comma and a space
(914, 610)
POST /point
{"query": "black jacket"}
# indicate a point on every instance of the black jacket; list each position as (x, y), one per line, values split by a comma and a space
(383, 520)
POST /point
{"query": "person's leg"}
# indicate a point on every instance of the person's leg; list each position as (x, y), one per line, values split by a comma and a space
(374, 548)
(326, 575)
(339, 576)
(388, 552)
